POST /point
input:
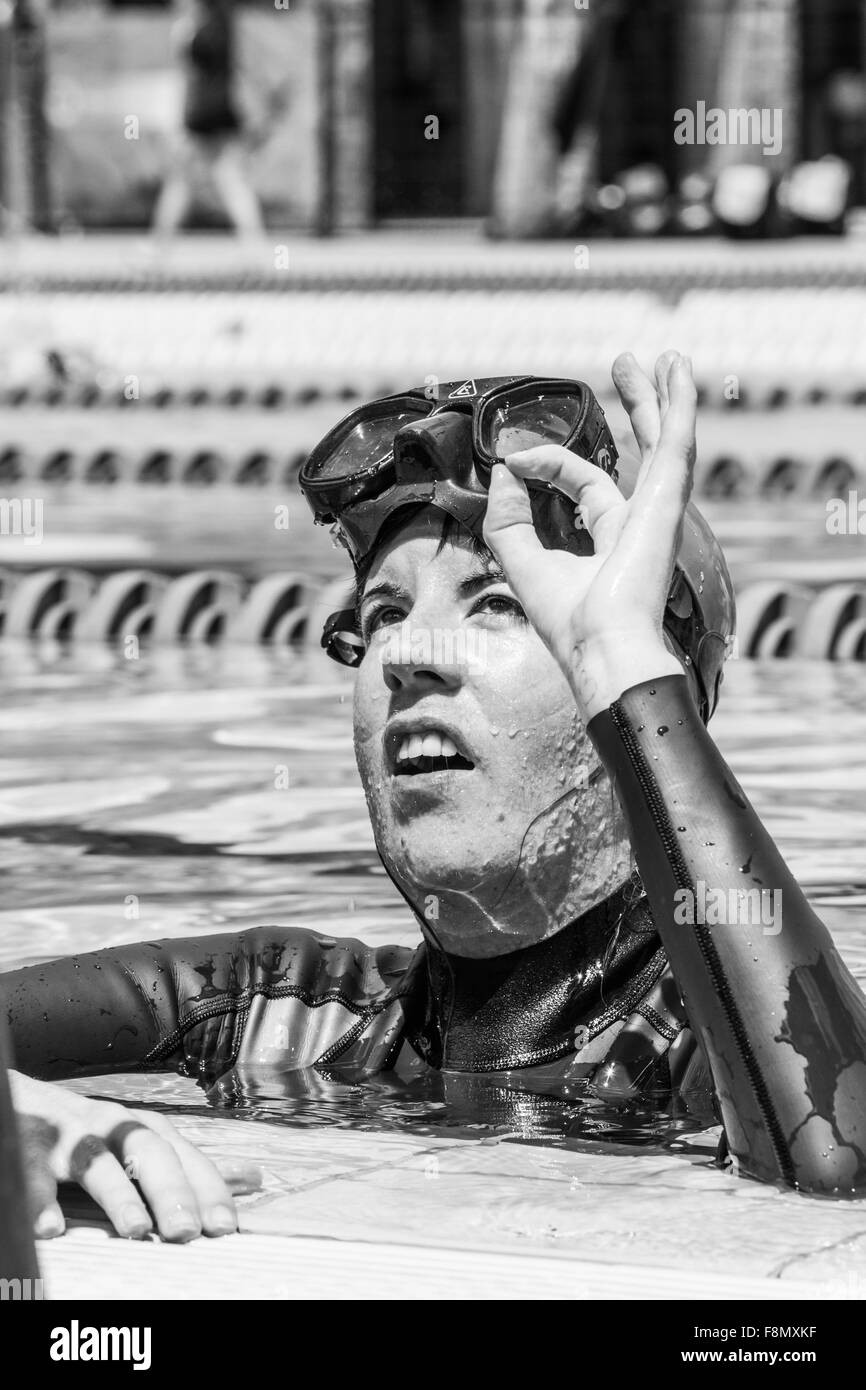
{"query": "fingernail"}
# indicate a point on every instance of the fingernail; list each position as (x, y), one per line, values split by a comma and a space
(242, 1178)
(181, 1225)
(49, 1222)
(221, 1221)
(243, 1172)
(133, 1222)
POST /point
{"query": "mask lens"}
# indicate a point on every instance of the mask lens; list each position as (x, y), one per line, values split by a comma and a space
(341, 639)
(521, 424)
(368, 444)
(347, 648)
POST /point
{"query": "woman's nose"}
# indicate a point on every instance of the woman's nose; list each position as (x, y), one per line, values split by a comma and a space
(422, 657)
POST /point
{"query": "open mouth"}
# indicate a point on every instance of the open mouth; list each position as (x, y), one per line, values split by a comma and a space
(426, 752)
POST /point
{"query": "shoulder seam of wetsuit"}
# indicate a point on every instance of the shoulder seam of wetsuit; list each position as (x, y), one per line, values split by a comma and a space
(658, 812)
(241, 1002)
(661, 1025)
(343, 1043)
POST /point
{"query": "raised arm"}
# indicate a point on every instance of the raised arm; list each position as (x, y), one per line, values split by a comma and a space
(781, 1021)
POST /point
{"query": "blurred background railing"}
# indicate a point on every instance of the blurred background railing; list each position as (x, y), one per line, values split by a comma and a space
(426, 189)
(368, 112)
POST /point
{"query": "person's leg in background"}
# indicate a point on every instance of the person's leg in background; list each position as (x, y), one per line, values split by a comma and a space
(235, 190)
(175, 196)
(172, 205)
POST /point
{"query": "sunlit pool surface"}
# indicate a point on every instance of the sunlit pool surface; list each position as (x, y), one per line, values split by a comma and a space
(146, 799)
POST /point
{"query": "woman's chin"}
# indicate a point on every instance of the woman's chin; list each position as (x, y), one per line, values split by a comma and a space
(440, 868)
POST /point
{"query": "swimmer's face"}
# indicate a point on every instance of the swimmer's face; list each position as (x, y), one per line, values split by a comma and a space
(467, 736)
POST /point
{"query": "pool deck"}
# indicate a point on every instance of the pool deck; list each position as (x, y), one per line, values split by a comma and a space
(88, 1264)
(363, 1215)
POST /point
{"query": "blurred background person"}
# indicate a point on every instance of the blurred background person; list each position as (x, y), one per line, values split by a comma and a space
(210, 146)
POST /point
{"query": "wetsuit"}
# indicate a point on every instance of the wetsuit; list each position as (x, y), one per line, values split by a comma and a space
(625, 1001)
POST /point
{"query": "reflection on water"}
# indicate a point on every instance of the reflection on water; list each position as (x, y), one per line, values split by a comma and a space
(147, 799)
(436, 1105)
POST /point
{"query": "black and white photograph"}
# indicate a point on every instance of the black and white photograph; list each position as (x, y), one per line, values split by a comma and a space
(433, 667)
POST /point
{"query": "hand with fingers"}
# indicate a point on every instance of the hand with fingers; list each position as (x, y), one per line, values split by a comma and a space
(601, 615)
(136, 1166)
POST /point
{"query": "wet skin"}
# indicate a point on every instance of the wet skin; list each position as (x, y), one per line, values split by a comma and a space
(506, 851)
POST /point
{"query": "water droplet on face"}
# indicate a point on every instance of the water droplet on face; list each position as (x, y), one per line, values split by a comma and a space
(681, 827)
(662, 730)
(679, 721)
(652, 692)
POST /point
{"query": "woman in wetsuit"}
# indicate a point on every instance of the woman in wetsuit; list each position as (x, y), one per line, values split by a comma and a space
(489, 770)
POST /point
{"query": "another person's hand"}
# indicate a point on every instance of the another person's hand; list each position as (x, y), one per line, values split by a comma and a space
(601, 615)
(133, 1164)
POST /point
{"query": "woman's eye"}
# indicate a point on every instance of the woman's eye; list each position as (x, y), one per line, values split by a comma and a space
(380, 617)
(502, 604)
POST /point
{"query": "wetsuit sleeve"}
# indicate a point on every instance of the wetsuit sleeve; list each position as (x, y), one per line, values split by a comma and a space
(780, 1019)
(176, 1005)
